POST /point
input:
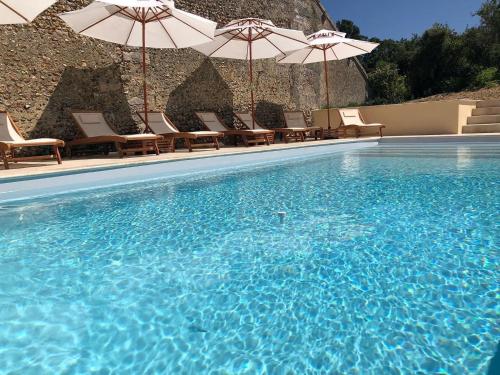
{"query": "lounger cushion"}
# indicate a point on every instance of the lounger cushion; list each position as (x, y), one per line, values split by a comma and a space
(211, 121)
(350, 117)
(374, 125)
(295, 120)
(258, 131)
(7, 131)
(205, 133)
(35, 142)
(140, 137)
(93, 124)
(246, 118)
(158, 123)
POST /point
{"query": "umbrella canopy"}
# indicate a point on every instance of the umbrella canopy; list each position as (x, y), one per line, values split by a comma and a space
(141, 23)
(324, 46)
(22, 11)
(250, 39)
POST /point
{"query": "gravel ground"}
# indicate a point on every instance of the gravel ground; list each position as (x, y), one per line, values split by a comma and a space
(482, 94)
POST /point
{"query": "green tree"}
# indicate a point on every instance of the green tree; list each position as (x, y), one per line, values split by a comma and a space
(352, 31)
(488, 34)
(387, 84)
(439, 64)
(490, 19)
(398, 52)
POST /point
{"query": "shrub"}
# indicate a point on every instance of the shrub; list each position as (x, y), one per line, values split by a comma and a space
(488, 77)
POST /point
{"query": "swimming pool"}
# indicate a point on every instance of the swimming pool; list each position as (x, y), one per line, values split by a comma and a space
(385, 262)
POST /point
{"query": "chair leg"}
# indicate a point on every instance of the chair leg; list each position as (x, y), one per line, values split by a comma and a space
(266, 137)
(119, 149)
(216, 143)
(245, 140)
(13, 156)
(380, 132)
(144, 147)
(57, 154)
(5, 160)
(188, 144)
(155, 145)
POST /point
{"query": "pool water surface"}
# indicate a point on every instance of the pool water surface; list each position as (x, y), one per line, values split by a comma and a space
(386, 262)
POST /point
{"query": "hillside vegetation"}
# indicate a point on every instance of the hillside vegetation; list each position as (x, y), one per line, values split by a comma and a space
(481, 94)
(436, 62)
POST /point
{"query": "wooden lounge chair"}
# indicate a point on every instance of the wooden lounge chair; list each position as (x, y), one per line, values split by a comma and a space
(296, 127)
(11, 139)
(96, 130)
(246, 120)
(160, 124)
(248, 136)
(351, 119)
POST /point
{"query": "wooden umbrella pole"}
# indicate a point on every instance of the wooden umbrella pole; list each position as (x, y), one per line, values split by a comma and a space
(325, 62)
(144, 69)
(251, 78)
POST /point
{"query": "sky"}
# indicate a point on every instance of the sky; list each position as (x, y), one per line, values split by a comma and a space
(398, 19)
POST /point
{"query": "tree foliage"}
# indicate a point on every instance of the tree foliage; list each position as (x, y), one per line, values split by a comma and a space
(439, 64)
(440, 60)
(350, 29)
(387, 84)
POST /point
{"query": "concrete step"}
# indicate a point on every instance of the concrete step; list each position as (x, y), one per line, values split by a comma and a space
(488, 103)
(481, 128)
(486, 111)
(484, 119)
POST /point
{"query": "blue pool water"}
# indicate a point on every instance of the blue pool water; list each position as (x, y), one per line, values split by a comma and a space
(386, 263)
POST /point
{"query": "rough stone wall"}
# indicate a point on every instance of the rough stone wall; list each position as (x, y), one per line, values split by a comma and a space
(46, 70)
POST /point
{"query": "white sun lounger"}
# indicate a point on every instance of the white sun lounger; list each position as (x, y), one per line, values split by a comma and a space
(249, 136)
(296, 127)
(11, 139)
(96, 130)
(160, 124)
(352, 119)
(246, 120)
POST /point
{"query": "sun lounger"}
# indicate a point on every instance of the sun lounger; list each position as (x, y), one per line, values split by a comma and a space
(296, 127)
(351, 119)
(11, 139)
(96, 130)
(249, 136)
(160, 124)
(246, 120)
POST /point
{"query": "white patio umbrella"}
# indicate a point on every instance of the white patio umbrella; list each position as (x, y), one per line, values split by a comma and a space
(250, 39)
(22, 11)
(141, 23)
(324, 46)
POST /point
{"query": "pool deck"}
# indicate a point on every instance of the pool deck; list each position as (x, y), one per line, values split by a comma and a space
(99, 162)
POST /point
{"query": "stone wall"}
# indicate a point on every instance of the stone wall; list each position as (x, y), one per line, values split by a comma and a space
(46, 71)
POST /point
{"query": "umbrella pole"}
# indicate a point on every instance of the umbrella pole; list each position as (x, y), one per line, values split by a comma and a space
(327, 91)
(251, 79)
(144, 70)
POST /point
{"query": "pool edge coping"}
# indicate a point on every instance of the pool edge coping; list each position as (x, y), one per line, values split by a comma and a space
(149, 162)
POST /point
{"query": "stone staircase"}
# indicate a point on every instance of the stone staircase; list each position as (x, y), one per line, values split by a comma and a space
(485, 118)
